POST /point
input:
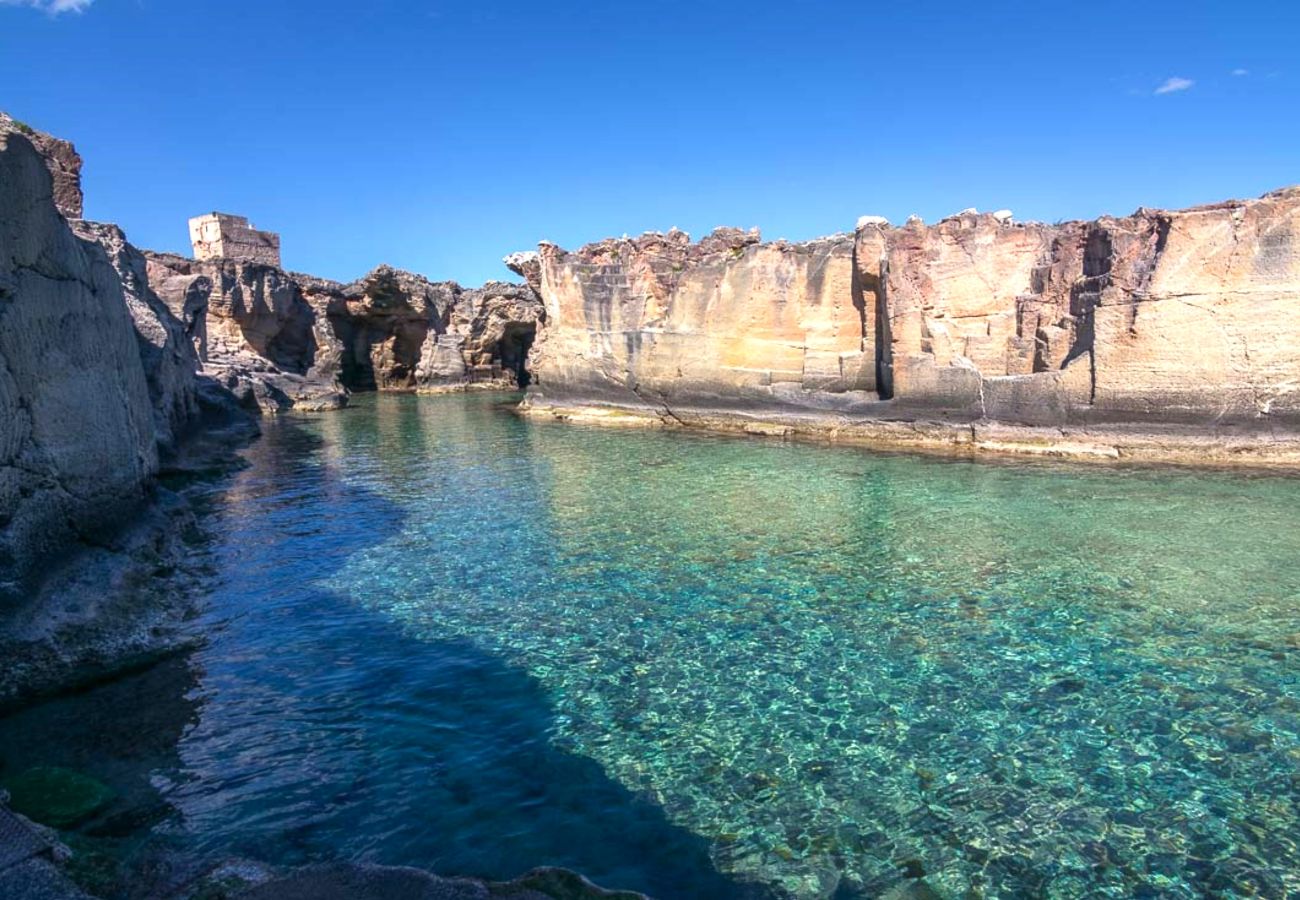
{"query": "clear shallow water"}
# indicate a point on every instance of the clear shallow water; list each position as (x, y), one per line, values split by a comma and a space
(708, 667)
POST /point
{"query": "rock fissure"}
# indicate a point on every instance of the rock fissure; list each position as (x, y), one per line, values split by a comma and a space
(970, 318)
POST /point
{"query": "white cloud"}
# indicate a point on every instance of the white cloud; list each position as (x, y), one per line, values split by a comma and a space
(53, 7)
(1174, 84)
(1240, 72)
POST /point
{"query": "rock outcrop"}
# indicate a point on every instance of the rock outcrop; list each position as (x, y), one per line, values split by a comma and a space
(1160, 334)
(658, 320)
(282, 340)
(62, 161)
(98, 387)
(258, 330)
(77, 440)
(169, 358)
(401, 331)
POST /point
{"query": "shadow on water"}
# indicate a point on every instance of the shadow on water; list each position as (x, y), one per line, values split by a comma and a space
(310, 727)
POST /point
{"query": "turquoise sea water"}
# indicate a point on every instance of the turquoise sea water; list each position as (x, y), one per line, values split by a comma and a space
(698, 666)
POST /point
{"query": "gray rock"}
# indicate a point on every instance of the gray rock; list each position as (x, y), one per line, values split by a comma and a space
(61, 160)
(166, 349)
(77, 436)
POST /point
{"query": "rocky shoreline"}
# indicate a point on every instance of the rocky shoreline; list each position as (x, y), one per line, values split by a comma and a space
(1163, 336)
(1140, 444)
(122, 367)
(1157, 337)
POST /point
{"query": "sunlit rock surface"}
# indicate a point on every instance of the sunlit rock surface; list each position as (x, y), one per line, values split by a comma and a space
(257, 329)
(62, 161)
(1154, 334)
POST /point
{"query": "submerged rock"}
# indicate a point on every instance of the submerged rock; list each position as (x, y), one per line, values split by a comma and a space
(56, 796)
(348, 881)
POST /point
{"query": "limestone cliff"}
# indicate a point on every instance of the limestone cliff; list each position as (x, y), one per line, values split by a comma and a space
(257, 329)
(169, 360)
(728, 321)
(282, 340)
(404, 332)
(77, 441)
(98, 390)
(1137, 335)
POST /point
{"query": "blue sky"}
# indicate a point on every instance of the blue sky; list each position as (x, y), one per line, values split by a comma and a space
(440, 136)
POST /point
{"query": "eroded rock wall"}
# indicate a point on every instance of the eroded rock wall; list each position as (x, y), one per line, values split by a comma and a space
(168, 356)
(1177, 318)
(62, 161)
(77, 441)
(258, 330)
(401, 331)
(283, 340)
(657, 320)
(98, 390)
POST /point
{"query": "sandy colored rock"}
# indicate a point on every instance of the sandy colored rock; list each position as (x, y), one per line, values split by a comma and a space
(401, 331)
(259, 331)
(223, 236)
(657, 319)
(1153, 320)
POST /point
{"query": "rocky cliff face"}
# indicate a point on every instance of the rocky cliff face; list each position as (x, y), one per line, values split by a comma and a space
(403, 332)
(1158, 317)
(62, 161)
(169, 359)
(258, 330)
(1158, 320)
(727, 321)
(282, 340)
(98, 389)
(77, 441)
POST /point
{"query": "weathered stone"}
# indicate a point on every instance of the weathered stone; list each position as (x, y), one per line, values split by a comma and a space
(77, 440)
(258, 330)
(169, 357)
(1151, 321)
(97, 383)
(62, 161)
(401, 331)
(656, 319)
(223, 236)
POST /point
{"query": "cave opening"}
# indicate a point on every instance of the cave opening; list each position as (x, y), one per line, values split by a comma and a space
(515, 344)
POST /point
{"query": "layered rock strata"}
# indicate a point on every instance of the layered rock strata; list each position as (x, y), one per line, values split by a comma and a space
(1157, 335)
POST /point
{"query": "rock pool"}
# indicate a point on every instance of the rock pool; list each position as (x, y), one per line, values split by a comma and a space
(444, 636)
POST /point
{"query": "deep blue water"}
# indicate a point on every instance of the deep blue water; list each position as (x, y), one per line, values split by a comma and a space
(696, 666)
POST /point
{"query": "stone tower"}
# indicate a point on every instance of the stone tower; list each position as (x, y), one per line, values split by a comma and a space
(222, 236)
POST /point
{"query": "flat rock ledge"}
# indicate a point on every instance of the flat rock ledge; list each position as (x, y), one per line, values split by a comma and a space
(1225, 446)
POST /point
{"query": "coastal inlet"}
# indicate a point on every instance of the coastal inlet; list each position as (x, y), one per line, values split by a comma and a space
(699, 666)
